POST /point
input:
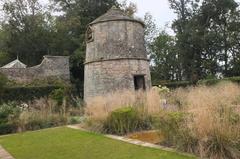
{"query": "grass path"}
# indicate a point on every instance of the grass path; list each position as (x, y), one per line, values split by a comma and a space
(64, 143)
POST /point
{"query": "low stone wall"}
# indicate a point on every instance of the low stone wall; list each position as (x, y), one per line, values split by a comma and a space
(51, 66)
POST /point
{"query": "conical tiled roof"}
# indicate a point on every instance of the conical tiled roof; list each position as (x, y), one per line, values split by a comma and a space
(115, 14)
(15, 64)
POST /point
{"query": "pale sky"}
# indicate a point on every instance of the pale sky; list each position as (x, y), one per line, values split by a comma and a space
(159, 9)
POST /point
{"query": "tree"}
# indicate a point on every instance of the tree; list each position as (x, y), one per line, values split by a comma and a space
(206, 37)
(165, 58)
(4, 56)
(129, 8)
(28, 30)
(70, 31)
(221, 19)
(150, 32)
(187, 47)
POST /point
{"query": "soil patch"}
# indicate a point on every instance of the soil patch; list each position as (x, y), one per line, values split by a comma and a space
(153, 137)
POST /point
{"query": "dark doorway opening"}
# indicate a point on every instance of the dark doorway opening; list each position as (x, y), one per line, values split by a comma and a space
(139, 82)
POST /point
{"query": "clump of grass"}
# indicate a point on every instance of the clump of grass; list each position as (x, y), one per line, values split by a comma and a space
(125, 120)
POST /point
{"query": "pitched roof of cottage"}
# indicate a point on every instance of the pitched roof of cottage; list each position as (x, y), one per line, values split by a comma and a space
(15, 64)
(115, 14)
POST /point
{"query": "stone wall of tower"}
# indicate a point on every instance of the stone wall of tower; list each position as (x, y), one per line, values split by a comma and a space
(116, 39)
(109, 76)
(116, 53)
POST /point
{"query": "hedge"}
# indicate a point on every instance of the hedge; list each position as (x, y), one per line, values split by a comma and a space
(173, 84)
(26, 93)
(6, 128)
(210, 82)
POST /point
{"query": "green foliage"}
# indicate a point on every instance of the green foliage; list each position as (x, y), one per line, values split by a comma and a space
(150, 31)
(169, 124)
(3, 82)
(36, 123)
(15, 118)
(26, 93)
(76, 120)
(129, 8)
(28, 31)
(7, 128)
(178, 84)
(173, 126)
(161, 89)
(4, 57)
(173, 84)
(58, 95)
(63, 100)
(125, 120)
(165, 57)
(205, 42)
(211, 82)
(9, 112)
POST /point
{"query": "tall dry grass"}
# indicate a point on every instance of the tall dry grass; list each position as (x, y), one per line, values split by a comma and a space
(215, 118)
(211, 107)
(149, 102)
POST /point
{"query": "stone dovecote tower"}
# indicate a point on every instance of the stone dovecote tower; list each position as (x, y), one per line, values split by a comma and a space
(116, 56)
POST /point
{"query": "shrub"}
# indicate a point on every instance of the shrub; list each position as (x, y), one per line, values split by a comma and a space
(3, 82)
(35, 121)
(75, 120)
(161, 89)
(173, 84)
(58, 95)
(169, 123)
(125, 120)
(6, 128)
(210, 82)
(62, 100)
(9, 113)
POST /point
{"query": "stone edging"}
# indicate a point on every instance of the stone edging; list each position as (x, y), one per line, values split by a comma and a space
(4, 154)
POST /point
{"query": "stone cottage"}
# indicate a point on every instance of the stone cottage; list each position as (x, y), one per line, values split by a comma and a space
(116, 57)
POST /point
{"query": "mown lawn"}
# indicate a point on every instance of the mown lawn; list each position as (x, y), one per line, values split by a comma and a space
(66, 143)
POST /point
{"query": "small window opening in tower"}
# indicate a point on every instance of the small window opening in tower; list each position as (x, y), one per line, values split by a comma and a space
(139, 82)
(89, 35)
